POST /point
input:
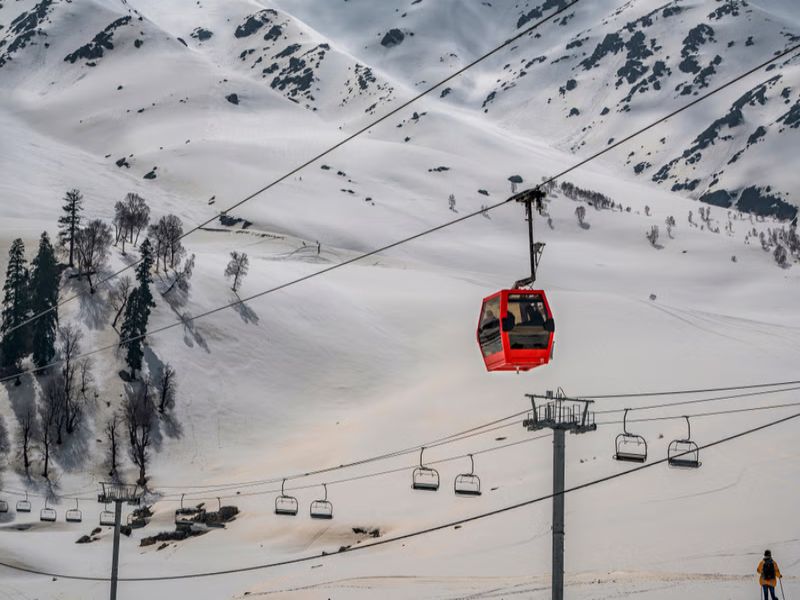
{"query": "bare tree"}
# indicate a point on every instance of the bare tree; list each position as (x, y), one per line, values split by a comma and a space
(781, 256)
(85, 382)
(25, 437)
(112, 435)
(118, 297)
(670, 223)
(166, 388)
(166, 237)
(92, 245)
(237, 268)
(4, 439)
(652, 236)
(139, 416)
(139, 216)
(131, 216)
(70, 377)
(580, 213)
(51, 406)
(120, 224)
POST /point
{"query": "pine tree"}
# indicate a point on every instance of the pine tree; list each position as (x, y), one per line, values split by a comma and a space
(137, 311)
(69, 223)
(14, 307)
(144, 277)
(44, 302)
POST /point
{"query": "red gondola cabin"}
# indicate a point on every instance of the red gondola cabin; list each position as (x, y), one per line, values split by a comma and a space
(515, 331)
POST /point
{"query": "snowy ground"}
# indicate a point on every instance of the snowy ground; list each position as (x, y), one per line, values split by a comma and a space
(382, 355)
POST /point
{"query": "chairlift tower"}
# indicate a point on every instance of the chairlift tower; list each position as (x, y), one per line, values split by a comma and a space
(561, 414)
(118, 493)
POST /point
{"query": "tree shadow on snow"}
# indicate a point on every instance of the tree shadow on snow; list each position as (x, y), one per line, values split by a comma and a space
(191, 335)
(94, 310)
(22, 397)
(247, 314)
(168, 420)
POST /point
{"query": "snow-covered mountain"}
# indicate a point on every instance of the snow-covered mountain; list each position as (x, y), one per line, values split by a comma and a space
(196, 105)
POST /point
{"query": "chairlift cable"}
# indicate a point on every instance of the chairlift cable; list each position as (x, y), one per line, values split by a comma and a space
(700, 401)
(223, 487)
(405, 536)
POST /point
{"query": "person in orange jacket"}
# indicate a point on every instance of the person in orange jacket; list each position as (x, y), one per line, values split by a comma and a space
(769, 575)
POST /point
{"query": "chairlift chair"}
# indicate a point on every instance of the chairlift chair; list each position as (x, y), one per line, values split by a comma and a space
(322, 509)
(424, 478)
(629, 446)
(468, 484)
(48, 515)
(107, 518)
(684, 453)
(285, 505)
(74, 515)
(183, 516)
(24, 506)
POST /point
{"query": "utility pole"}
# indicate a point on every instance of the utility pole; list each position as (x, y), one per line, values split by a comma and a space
(561, 414)
(117, 493)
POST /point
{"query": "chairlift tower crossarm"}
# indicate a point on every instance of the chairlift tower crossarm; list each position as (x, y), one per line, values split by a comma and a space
(561, 414)
(118, 493)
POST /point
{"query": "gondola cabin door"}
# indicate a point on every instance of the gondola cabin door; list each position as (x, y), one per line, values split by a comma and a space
(516, 330)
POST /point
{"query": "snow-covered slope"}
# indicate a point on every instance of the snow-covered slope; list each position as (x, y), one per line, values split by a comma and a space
(381, 355)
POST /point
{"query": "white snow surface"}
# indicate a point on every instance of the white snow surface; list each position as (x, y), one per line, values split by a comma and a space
(381, 355)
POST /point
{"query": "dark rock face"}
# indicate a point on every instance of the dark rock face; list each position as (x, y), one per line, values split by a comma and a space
(721, 198)
(611, 44)
(708, 137)
(792, 117)
(757, 200)
(101, 42)
(24, 28)
(537, 12)
(394, 37)
(255, 22)
(202, 34)
(232, 98)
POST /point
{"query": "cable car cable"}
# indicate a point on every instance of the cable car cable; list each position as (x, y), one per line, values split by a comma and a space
(405, 536)
(360, 257)
(336, 146)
